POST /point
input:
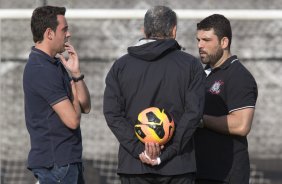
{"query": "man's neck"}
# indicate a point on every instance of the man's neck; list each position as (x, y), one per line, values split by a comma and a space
(224, 57)
(45, 48)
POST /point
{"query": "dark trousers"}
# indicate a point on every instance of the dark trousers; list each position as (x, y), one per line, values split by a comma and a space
(68, 174)
(209, 182)
(157, 179)
(232, 180)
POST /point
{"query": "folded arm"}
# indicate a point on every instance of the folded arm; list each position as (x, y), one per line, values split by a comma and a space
(238, 122)
(72, 64)
(69, 111)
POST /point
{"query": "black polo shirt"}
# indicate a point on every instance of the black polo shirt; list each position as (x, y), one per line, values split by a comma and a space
(229, 87)
(45, 83)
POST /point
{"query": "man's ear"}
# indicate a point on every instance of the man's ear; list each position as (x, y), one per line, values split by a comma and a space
(49, 34)
(224, 42)
(174, 32)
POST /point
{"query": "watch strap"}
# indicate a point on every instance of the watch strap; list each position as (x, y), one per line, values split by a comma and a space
(76, 79)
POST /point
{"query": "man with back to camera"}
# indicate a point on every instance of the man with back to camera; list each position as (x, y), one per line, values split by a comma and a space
(54, 101)
(155, 73)
(231, 94)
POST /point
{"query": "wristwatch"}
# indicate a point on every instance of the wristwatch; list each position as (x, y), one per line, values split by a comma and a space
(76, 79)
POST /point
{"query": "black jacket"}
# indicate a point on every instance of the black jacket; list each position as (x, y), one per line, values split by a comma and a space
(156, 74)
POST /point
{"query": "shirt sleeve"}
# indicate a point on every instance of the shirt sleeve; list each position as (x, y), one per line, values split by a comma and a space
(188, 122)
(50, 85)
(242, 91)
(122, 127)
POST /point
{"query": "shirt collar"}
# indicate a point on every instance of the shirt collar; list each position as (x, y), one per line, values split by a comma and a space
(229, 61)
(144, 41)
(225, 65)
(46, 56)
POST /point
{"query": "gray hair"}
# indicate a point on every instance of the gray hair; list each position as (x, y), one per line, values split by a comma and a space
(159, 22)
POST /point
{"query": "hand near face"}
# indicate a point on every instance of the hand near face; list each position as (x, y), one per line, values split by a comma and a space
(72, 63)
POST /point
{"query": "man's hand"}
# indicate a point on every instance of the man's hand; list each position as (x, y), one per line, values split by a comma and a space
(72, 64)
(151, 153)
(153, 150)
(147, 160)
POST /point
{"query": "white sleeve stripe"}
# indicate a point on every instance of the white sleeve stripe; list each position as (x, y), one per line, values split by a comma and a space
(241, 108)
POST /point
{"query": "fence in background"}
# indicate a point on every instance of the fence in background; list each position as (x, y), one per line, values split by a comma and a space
(13, 169)
(239, 14)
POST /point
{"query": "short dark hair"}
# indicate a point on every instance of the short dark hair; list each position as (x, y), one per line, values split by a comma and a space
(159, 22)
(44, 17)
(219, 23)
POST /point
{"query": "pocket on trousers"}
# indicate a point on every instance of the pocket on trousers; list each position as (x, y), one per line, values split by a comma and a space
(60, 172)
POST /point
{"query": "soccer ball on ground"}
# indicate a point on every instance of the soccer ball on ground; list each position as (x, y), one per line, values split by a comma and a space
(154, 126)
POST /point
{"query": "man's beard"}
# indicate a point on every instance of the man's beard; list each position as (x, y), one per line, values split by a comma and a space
(213, 58)
(62, 49)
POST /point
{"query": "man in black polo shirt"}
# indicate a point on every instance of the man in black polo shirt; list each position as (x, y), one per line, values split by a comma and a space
(231, 93)
(54, 102)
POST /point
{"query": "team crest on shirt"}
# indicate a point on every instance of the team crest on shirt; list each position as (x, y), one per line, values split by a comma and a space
(215, 88)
